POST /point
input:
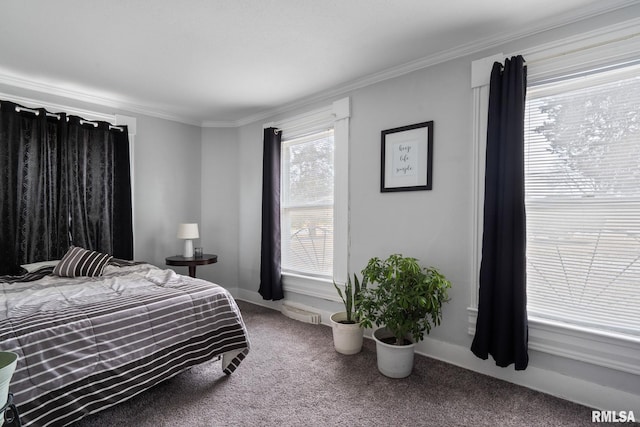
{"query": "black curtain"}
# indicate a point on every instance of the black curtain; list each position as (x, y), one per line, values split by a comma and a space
(46, 179)
(98, 183)
(31, 214)
(270, 275)
(501, 327)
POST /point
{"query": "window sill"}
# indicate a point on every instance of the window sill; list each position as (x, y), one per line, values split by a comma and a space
(610, 350)
(311, 286)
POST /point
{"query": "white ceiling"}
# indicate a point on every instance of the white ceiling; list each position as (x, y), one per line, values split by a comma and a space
(228, 62)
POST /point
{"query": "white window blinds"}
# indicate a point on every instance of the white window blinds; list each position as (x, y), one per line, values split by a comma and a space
(307, 204)
(582, 183)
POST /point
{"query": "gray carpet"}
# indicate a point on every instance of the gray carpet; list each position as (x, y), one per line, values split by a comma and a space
(293, 377)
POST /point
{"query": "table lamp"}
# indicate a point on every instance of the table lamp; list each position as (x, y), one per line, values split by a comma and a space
(188, 232)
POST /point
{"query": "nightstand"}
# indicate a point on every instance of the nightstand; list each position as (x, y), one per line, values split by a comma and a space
(192, 262)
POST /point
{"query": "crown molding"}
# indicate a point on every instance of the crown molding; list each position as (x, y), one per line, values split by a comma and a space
(159, 111)
(92, 98)
(54, 107)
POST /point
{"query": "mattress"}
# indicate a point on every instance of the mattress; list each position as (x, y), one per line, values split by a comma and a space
(88, 343)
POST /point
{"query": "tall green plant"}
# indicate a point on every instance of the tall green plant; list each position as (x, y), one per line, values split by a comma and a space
(407, 300)
(351, 297)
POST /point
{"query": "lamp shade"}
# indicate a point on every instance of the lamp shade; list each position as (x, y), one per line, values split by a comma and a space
(188, 231)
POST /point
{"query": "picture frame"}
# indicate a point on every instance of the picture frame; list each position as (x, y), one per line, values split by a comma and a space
(407, 158)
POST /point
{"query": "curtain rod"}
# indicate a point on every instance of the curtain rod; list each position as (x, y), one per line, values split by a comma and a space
(95, 124)
(57, 116)
(36, 112)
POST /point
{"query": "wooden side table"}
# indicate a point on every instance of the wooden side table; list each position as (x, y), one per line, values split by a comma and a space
(192, 262)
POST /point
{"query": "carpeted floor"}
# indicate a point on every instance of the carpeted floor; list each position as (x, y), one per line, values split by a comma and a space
(293, 377)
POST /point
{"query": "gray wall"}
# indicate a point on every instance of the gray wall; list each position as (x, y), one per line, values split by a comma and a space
(249, 178)
(220, 200)
(433, 226)
(167, 191)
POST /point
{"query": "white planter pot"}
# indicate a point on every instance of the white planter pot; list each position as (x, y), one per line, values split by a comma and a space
(347, 338)
(394, 361)
(8, 362)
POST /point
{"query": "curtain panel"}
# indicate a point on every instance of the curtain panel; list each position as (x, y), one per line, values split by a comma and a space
(98, 184)
(63, 181)
(31, 210)
(501, 327)
(270, 253)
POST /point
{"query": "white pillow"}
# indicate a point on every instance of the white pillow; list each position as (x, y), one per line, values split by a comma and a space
(38, 265)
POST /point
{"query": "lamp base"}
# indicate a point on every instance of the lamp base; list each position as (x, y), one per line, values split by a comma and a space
(9, 413)
(188, 248)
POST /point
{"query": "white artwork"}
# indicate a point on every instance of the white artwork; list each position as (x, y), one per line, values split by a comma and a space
(405, 158)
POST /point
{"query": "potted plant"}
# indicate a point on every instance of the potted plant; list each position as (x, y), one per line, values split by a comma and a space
(406, 303)
(347, 332)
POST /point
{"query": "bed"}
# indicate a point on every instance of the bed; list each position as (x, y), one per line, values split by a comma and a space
(87, 343)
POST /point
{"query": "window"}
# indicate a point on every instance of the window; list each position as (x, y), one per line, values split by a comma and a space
(582, 191)
(315, 200)
(307, 202)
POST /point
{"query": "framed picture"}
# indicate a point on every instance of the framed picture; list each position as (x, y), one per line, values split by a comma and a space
(407, 154)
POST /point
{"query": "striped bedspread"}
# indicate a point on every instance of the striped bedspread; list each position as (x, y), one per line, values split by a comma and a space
(85, 344)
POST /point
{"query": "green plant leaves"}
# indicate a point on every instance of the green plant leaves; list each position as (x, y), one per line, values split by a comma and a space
(351, 296)
(407, 299)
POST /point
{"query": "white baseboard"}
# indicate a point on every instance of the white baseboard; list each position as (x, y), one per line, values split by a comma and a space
(569, 388)
(255, 298)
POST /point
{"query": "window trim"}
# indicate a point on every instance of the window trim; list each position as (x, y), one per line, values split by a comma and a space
(336, 115)
(617, 44)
